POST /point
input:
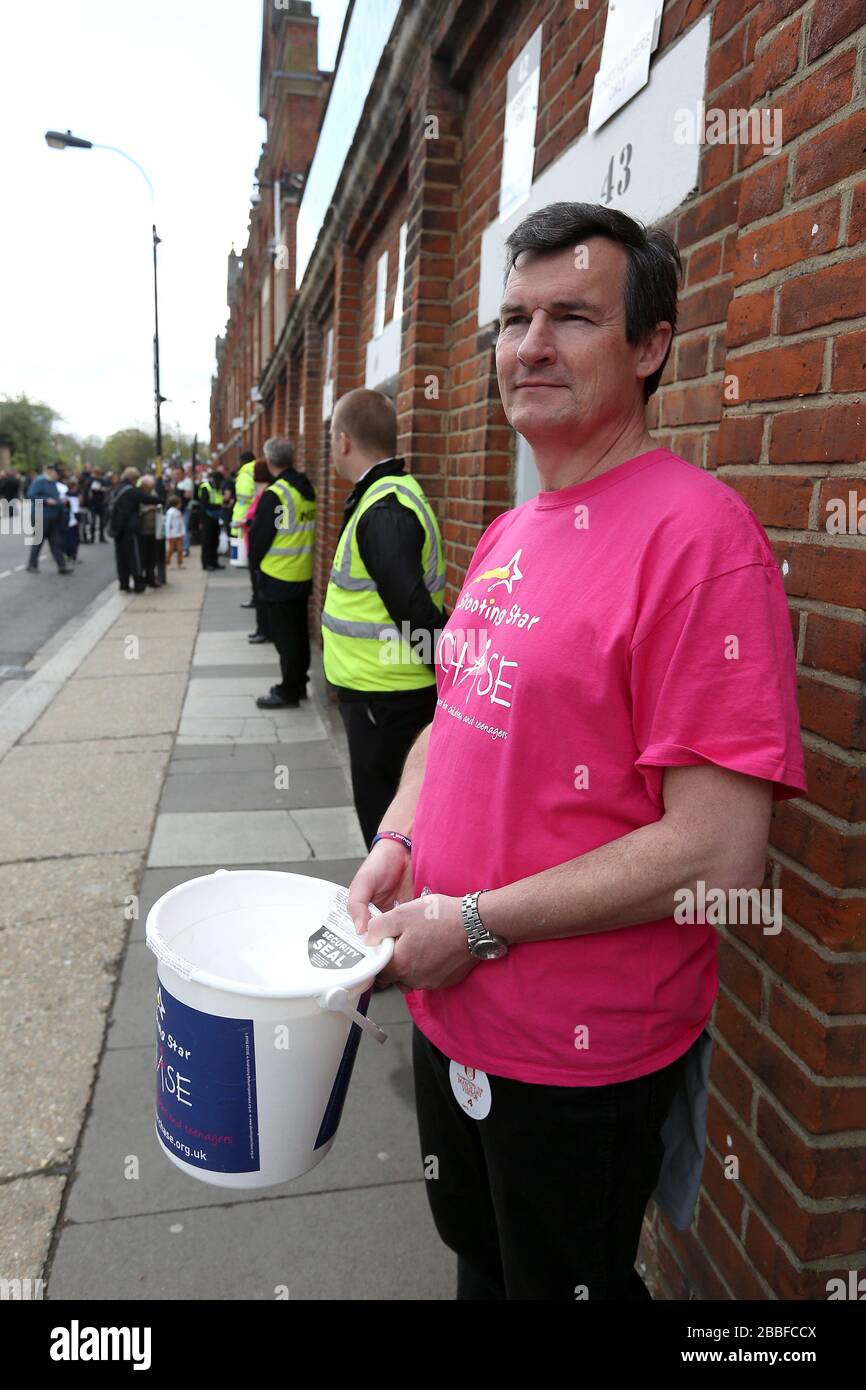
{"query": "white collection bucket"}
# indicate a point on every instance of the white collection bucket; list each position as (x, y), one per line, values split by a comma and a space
(263, 988)
(238, 547)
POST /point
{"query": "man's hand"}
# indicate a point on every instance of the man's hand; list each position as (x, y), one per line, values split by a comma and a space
(384, 878)
(431, 950)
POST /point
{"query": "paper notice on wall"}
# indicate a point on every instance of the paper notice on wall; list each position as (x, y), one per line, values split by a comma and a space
(521, 112)
(631, 35)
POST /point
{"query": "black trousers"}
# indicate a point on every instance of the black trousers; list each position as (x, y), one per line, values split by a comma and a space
(544, 1198)
(128, 560)
(54, 533)
(210, 536)
(380, 733)
(147, 554)
(289, 630)
(262, 608)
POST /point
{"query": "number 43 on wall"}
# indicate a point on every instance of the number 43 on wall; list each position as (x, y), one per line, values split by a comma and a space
(624, 180)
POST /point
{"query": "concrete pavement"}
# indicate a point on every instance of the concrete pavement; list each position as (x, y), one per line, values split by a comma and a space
(193, 759)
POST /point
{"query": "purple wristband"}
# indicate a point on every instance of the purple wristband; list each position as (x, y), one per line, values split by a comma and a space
(393, 835)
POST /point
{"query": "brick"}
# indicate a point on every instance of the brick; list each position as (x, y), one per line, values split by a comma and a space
(833, 434)
(838, 715)
(692, 1256)
(779, 372)
(673, 1281)
(691, 357)
(849, 362)
(777, 61)
(833, 986)
(819, 1108)
(818, 1172)
(838, 923)
(837, 786)
(831, 22)
(739, 440)
(762, 191)
(834, 1050)
(857, 219)
(726, 59)
(775, 501)
(708, 215)
(817, 96)
(717, 165)
(838, 859)
(704, 263)
(786, 1280)
(787, 241)
(835, 154)
(740, 976)
(835, 644)
(772, 12)
(727, 13)
(733, 1262)
(690, 405)
(707, 304)
(731, 1081)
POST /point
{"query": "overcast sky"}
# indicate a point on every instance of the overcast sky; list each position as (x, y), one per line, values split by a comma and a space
(174, 83)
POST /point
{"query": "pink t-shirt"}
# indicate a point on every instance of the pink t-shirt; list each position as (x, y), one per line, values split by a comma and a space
(604, 632)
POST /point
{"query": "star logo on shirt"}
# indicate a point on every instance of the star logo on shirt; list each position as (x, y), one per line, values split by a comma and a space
(503, 574)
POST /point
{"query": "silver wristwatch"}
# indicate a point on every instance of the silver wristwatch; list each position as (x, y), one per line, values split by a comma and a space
(482, 943)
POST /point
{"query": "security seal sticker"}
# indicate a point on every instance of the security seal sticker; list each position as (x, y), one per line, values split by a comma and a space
(328, 951)
(471, 1089)
(206, 1103)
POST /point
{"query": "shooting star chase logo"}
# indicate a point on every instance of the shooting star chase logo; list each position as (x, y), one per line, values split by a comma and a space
(506, 575)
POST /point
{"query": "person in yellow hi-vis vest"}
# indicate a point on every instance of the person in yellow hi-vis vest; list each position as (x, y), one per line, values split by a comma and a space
(282, 540)
(244, 487)
(383, 607)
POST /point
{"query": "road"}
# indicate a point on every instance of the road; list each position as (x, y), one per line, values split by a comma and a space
(34, 607)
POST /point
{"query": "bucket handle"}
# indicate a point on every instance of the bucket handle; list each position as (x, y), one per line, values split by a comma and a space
(337, 1000)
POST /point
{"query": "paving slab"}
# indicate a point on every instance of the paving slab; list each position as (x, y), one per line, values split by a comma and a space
(256, 789)
(154, 624)
(273, 727)
(38, 822)
(88, 883)
(345, 1245)
(254, 837)
(28, 1212)
(145, 655)
(112, 706)
(56, 981)
(197, 757)
(333, 831)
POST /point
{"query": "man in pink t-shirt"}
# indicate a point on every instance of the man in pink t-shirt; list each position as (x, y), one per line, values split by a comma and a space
(616, 713)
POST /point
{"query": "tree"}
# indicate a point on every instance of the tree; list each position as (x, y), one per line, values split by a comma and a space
(128, 449)
(28, 424)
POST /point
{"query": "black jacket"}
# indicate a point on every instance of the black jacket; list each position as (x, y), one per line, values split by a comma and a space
(390, 542)
(125, 502)
(261, 535)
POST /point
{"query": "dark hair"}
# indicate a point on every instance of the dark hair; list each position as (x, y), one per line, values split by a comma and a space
(174, 500)
(654, 266)
(261, 472)
(369, 419)
(248, 456)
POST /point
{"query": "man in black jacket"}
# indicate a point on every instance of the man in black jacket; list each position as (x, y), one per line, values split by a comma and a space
(125, 523)
(285, 511)
(382, 723)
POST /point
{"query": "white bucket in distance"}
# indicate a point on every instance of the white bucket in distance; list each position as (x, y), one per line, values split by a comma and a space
(263, 988)
(238, 547)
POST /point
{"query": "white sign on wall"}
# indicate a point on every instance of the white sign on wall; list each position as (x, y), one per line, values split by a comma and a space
(401, 267)
(328, 388)
(381, 289)
(631, 36)
(521, 112)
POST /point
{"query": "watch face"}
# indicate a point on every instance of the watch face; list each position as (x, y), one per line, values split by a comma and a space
(490, 950)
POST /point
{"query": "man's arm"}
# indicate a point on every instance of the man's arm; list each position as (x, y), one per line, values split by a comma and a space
(262, 531)
(391, 542)
(385, 877)
(714, 829)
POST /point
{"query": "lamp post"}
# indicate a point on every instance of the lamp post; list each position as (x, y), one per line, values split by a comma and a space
(65, 140)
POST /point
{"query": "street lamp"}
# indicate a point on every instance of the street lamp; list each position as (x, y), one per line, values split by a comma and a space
(65, 140)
